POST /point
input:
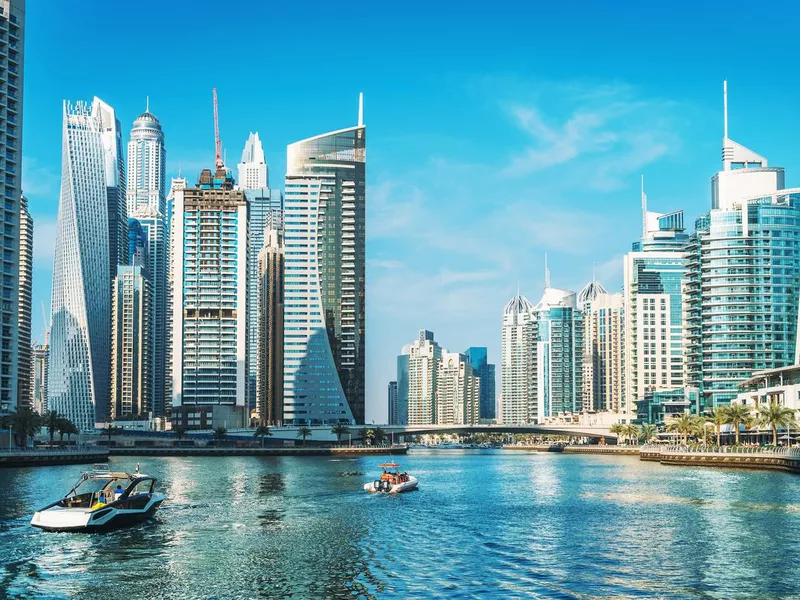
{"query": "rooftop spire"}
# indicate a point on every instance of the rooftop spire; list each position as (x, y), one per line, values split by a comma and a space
(147, 104)
(546, 272)
(644, 210)
(360, 109)
(725, 108)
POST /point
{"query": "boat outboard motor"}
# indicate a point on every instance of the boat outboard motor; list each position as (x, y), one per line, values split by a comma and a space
(377, 485)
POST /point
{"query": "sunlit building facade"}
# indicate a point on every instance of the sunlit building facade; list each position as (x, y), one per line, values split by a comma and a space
(519, 402)
(325, 299)
(603, 357)
(457, 391)
(24, 303)
(417, 373)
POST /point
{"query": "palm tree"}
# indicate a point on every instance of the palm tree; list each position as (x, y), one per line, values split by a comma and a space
(110, 430)
(683, 424)
(738, 414)
(303, 432)
(339, 430)
(774, 415)
(369, 435)
(219, 434)
(262, 431)
(649, 431)
(67, 427)
(51, 420)
(633, 432)
(25, 423)
(179, 431)
(380, 434)
(701, 427)
(718, 417)
(619, 429)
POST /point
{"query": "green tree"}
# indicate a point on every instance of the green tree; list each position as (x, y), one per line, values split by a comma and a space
(774, 415)
(684, 425)
(25, 423)
(262, 431)
(303, 432)
(220, 433)
(67, 427)
(738, 414)
(701, 428)
(633, 432)
(369, 435)
(380, 434)
(179, 431)
(649, 431)
(717, 416)
(619, 429)
(51, 421)
(339, 430)
(110, 429)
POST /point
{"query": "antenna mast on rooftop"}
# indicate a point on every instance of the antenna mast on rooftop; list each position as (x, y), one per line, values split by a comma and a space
(217, 141)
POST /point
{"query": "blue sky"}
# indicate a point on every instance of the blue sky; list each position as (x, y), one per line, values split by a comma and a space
(494, 136)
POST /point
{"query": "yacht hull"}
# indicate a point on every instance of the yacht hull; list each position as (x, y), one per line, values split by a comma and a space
(84, 520)
(397, 488)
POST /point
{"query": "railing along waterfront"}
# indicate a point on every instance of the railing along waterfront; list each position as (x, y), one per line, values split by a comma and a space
(757, 457)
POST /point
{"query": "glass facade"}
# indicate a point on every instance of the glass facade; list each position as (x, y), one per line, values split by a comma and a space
(485, 373)
(741, 295)
(325, 304)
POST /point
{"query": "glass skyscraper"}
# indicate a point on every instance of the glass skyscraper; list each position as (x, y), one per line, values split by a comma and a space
(325, 304)
(743, 275)
(652, 274)
(79, 363)
(478, 358)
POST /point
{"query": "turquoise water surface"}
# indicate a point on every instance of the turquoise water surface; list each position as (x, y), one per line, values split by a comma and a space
(484, 524)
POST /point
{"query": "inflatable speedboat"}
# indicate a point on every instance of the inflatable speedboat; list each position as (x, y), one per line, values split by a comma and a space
(392, 482)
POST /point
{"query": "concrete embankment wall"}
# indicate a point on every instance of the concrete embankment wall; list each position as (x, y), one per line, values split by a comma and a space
(736, 461)
(288, 451)
(33, 458)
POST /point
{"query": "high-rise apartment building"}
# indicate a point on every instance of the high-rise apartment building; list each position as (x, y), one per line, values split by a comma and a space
(265, 211)
(12, 44)
(130, 349)
(209, 303)
(325, 311)
(519, 403)
(177, 184)
(25, 291)
(39, 377)
(603, 354)
(416, 379)
(147, 160)
(457, 391)
(743, 276)
(478, 358)
(80, 336)
(559, 352)
(111, 138)
(147, 204)
(137, 243)
(652, 272)
(393, 410)
(269, 334)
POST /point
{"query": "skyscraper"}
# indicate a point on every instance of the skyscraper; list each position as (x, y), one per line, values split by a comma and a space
(177, 184)
(652, 273)
(743, 276)
(12, 26)
(269, 334)
(457, 391)
(111, 139)
(265, 211)
(603, 356)
(25, 289)
(393, 413)
(416, 379)
(39, 378)
(519, 402)
(209, 308)
(80, 337)
(147, 160)
(484, 371)
(324, 331)
(130, 349)
(137, 243)
(145, 200)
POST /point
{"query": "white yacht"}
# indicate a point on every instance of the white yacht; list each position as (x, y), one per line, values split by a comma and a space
(102, 500)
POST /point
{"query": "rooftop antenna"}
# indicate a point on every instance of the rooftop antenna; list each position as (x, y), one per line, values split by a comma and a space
(546, 272)
(725, 107)
(517, 287)
(360, 109)
(217, 141)
(644, 210)
(594, 272)
(147, 104)
(46, 328)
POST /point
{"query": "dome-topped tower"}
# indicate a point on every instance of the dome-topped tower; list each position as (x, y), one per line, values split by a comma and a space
(146, 120)
(591, 290)
(518, 305)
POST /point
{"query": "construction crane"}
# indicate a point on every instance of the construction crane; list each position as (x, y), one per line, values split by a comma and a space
(217, 141)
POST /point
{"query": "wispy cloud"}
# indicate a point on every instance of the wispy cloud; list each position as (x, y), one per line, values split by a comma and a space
(44, 242)
(38, 180)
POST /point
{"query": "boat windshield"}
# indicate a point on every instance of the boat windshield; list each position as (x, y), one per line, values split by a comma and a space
(101, 483)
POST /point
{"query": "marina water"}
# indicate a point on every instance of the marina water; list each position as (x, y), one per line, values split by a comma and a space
(484, 524)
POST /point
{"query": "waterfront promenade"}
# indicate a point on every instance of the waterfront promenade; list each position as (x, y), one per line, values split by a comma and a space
(256, 451)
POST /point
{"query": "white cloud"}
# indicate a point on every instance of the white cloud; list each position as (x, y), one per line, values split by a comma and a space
(38, 180)
(44, 242)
